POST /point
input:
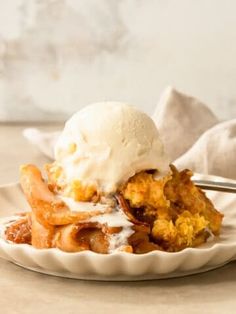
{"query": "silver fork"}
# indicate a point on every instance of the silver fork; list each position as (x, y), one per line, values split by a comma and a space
(216, 186)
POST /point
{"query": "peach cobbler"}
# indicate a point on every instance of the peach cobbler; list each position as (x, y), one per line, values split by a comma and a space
(111, 189)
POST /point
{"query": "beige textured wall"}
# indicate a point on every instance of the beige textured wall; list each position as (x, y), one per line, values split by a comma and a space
(56, 56)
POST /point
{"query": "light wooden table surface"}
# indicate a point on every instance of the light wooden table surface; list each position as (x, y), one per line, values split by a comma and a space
(23, 291)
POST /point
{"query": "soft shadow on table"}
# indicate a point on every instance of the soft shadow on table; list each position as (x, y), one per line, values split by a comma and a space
(151, 292)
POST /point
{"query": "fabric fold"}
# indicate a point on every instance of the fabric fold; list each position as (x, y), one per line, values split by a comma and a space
(44, 141)
(214, 152)
(181, 120)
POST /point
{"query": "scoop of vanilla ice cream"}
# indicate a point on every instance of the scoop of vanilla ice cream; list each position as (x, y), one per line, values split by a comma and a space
(105, 144)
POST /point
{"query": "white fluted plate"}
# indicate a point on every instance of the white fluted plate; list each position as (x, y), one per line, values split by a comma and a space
(123, 266)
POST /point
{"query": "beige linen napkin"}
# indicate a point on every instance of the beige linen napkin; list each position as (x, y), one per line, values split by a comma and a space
(214, 152)
(192, 135)
(44, 141)
(181, 119)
